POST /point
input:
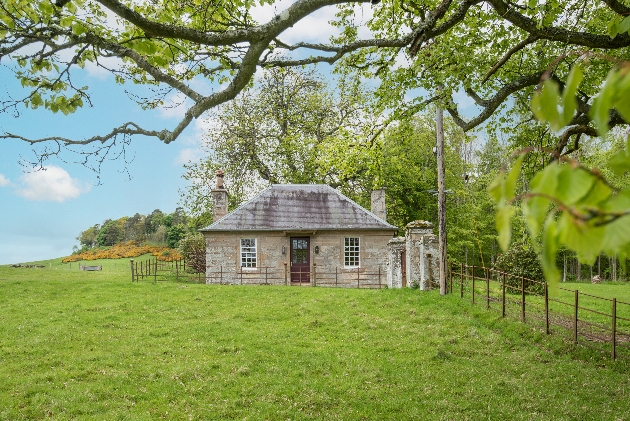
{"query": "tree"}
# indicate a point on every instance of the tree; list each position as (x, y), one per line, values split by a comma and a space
(491, 49)
(88, 238)
(288, 129)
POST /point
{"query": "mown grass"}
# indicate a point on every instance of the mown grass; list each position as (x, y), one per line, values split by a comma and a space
(77, 345)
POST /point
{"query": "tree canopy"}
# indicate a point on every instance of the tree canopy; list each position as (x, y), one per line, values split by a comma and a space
(492, 50)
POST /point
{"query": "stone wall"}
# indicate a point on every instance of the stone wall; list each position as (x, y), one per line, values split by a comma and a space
(421, 257)
(327, 265)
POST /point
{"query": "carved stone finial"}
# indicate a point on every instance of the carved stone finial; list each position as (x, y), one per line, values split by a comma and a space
(220, 176)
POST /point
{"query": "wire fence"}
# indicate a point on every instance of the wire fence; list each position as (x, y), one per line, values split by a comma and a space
(178, 271)
(594, 321)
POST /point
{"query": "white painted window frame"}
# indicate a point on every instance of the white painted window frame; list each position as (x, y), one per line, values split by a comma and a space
(246, 253)
(351, 252)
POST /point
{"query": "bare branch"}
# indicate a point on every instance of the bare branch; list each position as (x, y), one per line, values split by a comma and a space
(509, 54)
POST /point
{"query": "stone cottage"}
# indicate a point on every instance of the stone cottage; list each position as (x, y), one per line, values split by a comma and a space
(311, 234)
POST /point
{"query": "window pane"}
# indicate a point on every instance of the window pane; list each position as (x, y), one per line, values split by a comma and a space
(248, 252)
(351, 252)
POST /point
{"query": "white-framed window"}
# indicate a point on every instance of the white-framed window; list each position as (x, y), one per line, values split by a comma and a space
(351, 252)
(248, 253)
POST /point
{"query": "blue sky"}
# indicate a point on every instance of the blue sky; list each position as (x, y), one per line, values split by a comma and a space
(42, 213)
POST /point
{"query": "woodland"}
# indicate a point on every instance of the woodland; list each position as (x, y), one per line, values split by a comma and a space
(550, 82)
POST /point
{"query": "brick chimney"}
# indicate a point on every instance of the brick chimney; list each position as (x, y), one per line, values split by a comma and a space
(378, 204)
(219, 196)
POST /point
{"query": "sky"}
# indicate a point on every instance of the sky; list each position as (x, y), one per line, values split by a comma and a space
(42, 212)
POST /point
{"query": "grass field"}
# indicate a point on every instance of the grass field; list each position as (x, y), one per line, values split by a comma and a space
(94, 346)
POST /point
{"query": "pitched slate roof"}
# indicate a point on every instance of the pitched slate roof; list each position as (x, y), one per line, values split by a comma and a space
(286, 207)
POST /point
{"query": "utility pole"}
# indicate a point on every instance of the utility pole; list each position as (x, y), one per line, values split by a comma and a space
(439, 128)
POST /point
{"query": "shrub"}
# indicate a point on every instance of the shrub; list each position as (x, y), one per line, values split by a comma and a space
(125, 250)
(521, 261)
(193, 248)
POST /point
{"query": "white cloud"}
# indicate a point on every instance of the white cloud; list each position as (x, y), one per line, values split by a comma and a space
(4, 181)
(52, 184)
(175, 106)
(187, 155)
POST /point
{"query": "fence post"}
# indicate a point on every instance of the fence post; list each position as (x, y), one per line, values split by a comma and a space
(379, 277)
(336, 268)
(286, 282)
(266, 276)
(176, 272)
(450, 275)
(221, 275)
(473, 283)
(132, 274)
(487, 288)
(575, 318)
(461, 280)
(503, 296)
(241, 275)
(614, 328)
(546, 308)
(358, 280)
(155, 272)
(522, 298)
(314, 274)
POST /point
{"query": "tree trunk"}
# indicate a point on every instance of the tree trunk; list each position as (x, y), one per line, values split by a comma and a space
(564, 274)
(439, 126)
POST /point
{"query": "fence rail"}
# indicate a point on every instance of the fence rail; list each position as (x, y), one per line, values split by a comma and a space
(155, 270)
(598, 322)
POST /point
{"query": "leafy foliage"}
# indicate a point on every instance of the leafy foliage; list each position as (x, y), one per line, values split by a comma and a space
(567, 203)
(193, 248)
(521, 260)
(125, 250)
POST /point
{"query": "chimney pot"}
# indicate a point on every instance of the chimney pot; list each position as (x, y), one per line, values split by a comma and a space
(219, 196)
(378, 207)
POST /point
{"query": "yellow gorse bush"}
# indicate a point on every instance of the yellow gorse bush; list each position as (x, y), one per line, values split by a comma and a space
(126, 250)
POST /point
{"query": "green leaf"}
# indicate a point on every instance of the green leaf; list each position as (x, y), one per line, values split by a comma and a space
(586, 240)
(616, 235)
(621, 103)
(78, 29)
(545, 104)
(602, 104)
(549, 250)
(624, 25)
(569, 103)
(613, 28)
(496, 189)
(619, 163)
(512, 178)
(504, 215)
(573, 184)
(546, 180)
(535, 210)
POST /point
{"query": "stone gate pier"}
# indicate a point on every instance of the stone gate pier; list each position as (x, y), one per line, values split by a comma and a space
(413, 259)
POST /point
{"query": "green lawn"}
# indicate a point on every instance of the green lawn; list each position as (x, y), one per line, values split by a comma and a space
(93, 345)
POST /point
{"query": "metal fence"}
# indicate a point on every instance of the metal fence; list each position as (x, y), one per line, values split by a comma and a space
(594, 321)
(177, 270)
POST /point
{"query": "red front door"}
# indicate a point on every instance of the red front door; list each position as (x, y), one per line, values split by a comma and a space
(300, 260)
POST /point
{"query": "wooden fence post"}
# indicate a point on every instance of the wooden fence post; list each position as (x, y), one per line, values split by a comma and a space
(286, 281)
(241, 275)
(614, 328)
(450, 275)
(314, 274)
(358, 280)
(522, 298)
(473, 283)
(575, 318)
(336, 269)
(503, 296)
(546, 308)
(176, 272)
(461, 280)
(487, 288)
(266, 276)
(379, 277)
(132, 274)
